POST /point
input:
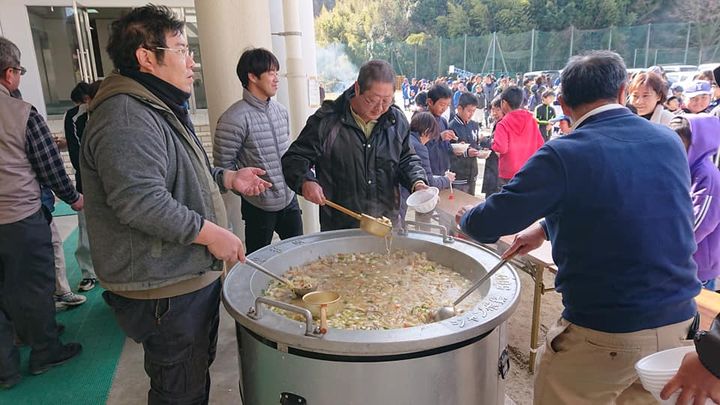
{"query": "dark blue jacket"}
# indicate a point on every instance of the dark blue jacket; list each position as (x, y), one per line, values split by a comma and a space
(440, 150)
(615, 195)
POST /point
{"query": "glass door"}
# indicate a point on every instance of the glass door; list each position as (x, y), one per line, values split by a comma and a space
(84, 52)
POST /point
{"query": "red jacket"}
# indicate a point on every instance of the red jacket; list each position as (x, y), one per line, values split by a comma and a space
(517, 137)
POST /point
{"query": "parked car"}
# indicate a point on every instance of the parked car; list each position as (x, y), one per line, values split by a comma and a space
(679, 68)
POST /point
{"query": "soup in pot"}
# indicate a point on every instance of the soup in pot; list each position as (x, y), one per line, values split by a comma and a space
(379, 291)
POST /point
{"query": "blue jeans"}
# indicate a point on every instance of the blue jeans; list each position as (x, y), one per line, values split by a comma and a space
(179, 336)
(709, 284)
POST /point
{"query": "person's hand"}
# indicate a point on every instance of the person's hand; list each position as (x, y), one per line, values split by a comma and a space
(450, 175)
(695, 382)
(246, 181)
(221, 243)
(526, 241)
(60, 142)
(420, 186)
(461, 212)
(313, 192)
(79, 204)
(472, 152)
(448, 135)
(549, 127)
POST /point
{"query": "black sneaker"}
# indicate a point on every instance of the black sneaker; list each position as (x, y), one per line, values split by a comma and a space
(87, 284)
(7, 383)
(67, 352)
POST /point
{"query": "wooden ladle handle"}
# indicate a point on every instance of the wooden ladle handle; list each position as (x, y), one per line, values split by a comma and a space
(323, 319)
(344, 210)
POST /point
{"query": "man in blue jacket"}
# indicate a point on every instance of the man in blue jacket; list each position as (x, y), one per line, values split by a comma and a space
(615, 196)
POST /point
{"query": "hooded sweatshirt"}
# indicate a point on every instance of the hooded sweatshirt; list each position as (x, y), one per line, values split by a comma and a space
(705, 193)
(517, 137)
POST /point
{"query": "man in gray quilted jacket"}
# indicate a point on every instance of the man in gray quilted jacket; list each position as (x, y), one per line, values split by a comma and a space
(254, 132)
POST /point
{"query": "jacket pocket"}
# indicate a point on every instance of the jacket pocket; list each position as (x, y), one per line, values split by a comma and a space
(156, 248)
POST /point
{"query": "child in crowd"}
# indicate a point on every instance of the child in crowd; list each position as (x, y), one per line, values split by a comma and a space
(699, 135)
(564, 126)
(544, 112)
(438, 101)
(423, 129)
(490, 184)
(517, 136)
(672, 104)
(464, 164)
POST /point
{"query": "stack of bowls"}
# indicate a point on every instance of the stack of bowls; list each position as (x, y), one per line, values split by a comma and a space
(658, 368)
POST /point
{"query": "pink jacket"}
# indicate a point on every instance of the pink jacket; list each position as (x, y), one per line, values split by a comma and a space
(517, 137)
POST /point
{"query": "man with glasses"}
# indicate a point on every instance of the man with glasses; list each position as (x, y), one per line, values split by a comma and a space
(28, 158)
(355, 151)
(155, 217)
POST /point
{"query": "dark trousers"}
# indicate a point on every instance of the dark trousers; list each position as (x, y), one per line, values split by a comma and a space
(260, 224)
(179, 336)
(27, 283)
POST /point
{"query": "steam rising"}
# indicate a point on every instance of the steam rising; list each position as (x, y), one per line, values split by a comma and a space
(335, 70)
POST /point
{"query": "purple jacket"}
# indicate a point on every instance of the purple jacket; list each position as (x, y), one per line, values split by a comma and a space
(705, 193)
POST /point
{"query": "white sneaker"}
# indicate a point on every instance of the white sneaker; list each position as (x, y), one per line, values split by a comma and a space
(68, 300)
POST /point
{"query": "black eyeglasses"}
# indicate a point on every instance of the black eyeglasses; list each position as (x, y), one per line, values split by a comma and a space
(184, 51)
(20, 70)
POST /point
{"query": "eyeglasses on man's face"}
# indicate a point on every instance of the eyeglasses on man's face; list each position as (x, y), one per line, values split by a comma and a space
(19, 69)
(184, 51)
(375, 101)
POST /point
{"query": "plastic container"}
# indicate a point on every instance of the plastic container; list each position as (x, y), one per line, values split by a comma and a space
(424, 201)
(459, 147)
(658, 368)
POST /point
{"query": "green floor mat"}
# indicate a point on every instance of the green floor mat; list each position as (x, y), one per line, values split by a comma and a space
(87, 378)
(62, 210)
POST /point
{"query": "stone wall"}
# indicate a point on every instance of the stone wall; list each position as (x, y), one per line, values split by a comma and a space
(200, 119)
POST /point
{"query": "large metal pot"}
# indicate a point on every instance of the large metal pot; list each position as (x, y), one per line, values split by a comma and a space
(462, 360)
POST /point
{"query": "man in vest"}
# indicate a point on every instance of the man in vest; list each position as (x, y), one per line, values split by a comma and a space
(155, 217)
(28, 157)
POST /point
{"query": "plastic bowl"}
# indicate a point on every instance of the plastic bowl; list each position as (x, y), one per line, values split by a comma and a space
(424, 201)
(658, 368)
(459, 147)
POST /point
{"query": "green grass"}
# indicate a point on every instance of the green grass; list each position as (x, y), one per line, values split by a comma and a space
(87, 378)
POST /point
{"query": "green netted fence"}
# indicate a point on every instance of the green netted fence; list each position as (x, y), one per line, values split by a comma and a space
(640, 46)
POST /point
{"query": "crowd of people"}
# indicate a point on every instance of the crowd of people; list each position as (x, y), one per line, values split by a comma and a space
(627, 196)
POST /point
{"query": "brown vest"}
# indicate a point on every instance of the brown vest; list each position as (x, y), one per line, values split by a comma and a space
(19, 187)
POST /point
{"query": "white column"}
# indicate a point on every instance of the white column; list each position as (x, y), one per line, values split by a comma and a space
(299, 103)
(226, 29)
(15, 26)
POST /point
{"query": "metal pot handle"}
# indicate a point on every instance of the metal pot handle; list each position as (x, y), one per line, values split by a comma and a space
(443, 230)
(256, 313)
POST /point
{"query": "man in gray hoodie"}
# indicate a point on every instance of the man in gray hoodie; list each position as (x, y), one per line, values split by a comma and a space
(255, 132)
(155, 218)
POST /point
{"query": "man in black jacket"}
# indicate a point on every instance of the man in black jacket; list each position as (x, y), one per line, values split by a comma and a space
(359, 148)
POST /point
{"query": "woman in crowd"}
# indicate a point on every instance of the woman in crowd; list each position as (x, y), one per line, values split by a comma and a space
(647, 94)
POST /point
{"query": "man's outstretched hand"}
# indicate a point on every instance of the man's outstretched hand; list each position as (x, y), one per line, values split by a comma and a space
(246, 181)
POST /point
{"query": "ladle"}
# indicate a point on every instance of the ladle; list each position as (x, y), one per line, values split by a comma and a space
(371, 225)
(322, 304)
(299, 292)
(448, 312)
